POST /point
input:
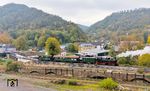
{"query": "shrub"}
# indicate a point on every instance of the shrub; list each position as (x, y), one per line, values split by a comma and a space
(13, 66)
(108, 84)
(60, 82)
(72, 82)
(148, 76)
(122, 60)
(127, 61)
(1, 62)
(144, 60)
(4, 61)
(140, 70)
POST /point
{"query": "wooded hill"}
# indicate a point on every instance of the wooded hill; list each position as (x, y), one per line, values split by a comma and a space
(18, 19)
(123, 21)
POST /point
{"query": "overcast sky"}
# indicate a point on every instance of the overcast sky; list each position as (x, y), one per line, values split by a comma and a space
(84, 12)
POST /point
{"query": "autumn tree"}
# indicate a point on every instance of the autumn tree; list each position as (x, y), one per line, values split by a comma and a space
(5, 38)
(131, 42)
(144, 60)
(73, 47)
(21, 43)
(41, 41)
(52, 47)
(148, 40)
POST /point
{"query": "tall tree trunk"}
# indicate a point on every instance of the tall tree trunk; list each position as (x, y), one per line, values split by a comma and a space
(52, 57)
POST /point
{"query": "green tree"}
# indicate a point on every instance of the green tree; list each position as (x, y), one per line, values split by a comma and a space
(127, 60)
(41, 41)
(111, 50)
(144, 60)
(31, 43)
(36, 38)
(52, 47)
(73, 47)
(145, 37)
(21, 43)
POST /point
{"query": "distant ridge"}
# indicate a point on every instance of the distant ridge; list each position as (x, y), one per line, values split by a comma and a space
(19, 16)
(83, 27)
(123, 21)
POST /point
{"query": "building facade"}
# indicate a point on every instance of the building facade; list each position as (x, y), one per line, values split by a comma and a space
(7, 48)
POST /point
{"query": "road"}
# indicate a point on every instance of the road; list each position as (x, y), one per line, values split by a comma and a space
(22, 86)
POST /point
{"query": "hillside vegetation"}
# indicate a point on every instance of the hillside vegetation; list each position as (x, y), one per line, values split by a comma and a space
(124, 21)
(19, 20)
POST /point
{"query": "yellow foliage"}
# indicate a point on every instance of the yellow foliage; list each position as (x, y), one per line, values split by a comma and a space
(52, 46)
(5, 38)
(144, 60)
(148, 40)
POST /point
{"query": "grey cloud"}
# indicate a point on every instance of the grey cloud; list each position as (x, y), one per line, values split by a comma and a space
(95, 4)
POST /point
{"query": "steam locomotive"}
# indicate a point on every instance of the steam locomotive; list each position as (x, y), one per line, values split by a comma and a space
(99, 60)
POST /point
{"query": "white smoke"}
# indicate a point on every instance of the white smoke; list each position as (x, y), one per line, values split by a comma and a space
(146, 50)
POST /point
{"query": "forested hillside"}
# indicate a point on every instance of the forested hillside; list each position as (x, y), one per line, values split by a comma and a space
(83, 27)
(18, 16)
(124, 21)
(18, 19)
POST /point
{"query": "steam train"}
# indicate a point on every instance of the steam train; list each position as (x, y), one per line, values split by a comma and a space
(99, 60)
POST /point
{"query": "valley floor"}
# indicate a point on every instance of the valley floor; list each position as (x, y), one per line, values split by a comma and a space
(35, 83)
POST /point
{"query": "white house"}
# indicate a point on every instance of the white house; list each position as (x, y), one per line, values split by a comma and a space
(94, 52)
(7, 48)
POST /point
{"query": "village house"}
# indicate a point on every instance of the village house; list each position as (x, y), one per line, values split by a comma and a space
(88, 46)
(91, 49)
(7, 48)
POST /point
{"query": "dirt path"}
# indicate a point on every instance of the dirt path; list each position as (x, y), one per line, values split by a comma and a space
(23, 86)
